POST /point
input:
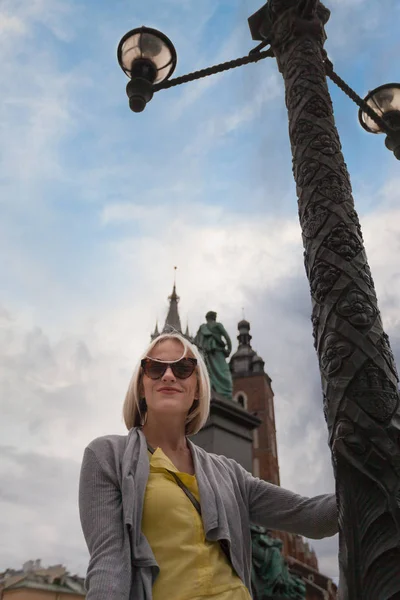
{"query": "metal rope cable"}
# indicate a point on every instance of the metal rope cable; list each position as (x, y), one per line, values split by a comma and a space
(255, 57)
(355, 97)
(232, 64)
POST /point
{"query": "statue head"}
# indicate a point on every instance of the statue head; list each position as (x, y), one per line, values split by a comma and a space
(211, 316)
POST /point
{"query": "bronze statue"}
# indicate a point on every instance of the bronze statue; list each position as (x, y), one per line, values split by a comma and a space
(209, 339)
(270, 576)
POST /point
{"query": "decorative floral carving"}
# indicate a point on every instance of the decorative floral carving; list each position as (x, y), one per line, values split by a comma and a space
(295, 95)
(303, 131)
(315, 216)
(354, 217)
(306, 171)
(335, 350)
(318, 107)
(346, 431)
(357, 309)
(302, 70)
(335, 188)
(315, 323)
(343, 242)
(326, 144)
(383, 346)
(344, 171)
(374, 392)
(323, 278)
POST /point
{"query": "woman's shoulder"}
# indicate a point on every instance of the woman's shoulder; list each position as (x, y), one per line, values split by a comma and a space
(107, 446)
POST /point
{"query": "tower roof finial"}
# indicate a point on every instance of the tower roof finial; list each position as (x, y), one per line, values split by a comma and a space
(173, 321)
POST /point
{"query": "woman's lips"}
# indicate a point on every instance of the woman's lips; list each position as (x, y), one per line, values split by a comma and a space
(168, 391)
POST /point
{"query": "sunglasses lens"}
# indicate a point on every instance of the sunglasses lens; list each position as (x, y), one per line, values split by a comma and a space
(183, 369)
(154, 370)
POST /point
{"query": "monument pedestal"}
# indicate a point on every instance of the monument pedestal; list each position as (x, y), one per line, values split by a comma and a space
(228, 431)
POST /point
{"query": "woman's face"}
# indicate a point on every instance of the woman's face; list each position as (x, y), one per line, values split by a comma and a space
(169, 394)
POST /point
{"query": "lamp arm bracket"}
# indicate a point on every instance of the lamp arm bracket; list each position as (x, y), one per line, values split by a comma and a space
(232, 64)
(354, 96)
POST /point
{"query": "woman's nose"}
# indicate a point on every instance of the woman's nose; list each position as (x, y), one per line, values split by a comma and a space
(169, 374)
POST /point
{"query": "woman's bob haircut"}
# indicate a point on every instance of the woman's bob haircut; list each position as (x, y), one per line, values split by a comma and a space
(198, 417)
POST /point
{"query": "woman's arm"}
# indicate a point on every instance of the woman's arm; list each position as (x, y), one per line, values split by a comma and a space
(274, 507)
(100, 506)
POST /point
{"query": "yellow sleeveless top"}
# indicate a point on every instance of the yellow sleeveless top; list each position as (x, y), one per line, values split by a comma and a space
(191, 567)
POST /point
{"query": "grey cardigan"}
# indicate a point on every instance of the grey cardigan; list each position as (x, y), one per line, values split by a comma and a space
(113, 480)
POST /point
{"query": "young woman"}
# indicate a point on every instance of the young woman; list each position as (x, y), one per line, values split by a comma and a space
(165, 520)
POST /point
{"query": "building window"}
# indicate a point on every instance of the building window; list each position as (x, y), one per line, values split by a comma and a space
(256, 467)
(241, 398)
(256, 443)
(311, 578)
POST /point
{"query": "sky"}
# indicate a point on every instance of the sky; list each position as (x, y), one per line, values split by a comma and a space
(99, 204)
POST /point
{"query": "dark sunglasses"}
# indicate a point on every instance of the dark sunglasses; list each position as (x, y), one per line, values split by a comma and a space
(182, 369)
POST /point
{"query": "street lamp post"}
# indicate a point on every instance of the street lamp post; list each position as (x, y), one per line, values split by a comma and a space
(358, 373)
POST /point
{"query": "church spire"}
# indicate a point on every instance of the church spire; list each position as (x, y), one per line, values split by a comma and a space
(156, 332)
(173, 321)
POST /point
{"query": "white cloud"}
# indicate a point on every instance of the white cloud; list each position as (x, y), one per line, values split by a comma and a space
(17, 16)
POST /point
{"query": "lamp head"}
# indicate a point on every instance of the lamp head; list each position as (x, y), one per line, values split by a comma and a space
(147, 56)
(385, 101)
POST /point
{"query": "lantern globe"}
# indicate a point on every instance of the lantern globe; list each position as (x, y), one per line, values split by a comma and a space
(385, 101)
(144, 45)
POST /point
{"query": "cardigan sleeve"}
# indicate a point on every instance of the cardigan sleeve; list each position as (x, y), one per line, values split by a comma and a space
(100, 506)
(274, 507)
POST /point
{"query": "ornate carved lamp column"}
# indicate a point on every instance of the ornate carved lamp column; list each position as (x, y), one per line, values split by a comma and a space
(359, 377)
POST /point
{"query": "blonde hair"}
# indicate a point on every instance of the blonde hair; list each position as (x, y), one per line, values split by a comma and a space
(198, 417)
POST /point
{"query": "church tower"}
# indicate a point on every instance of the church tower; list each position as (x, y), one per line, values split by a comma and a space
(252, 389)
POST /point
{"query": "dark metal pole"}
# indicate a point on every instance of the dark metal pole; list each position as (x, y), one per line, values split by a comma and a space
(359, 377)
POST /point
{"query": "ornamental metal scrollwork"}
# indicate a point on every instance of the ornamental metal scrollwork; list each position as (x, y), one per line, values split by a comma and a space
(346, 432)
(326, 144)
(336, 349)
(343, 242)
(303, 132)
(302, 70)
(354, 217)
(334, 188)
(306, 171)
(344, 171)
(318, 107)
(315, 324)
(323, 278)
(384, 347)
(314, 218)
(357, 309)
(374, 393)
(295, 96)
